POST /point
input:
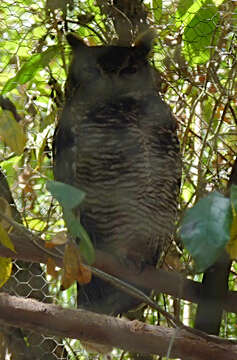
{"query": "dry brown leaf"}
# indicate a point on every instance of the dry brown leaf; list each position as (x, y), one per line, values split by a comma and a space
(71, 265)
(51, 268)
(84, 275)
(67, 281)
(49, 245)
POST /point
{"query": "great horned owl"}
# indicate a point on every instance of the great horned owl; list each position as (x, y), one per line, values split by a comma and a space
(116, 140)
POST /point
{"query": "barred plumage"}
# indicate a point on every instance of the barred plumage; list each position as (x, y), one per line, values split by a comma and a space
(116, 140)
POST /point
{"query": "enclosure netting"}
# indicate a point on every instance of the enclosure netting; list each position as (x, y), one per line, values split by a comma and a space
(195, 57)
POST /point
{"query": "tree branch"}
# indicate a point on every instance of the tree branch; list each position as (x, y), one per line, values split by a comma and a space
(128, 335)
(169, 282)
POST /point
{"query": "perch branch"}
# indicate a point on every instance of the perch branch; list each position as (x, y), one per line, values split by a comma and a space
(101, 329)
(169, 282)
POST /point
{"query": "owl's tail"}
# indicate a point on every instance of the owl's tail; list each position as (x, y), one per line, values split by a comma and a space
(101, 297)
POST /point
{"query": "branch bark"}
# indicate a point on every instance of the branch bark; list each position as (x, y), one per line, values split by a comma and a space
(128, 335)
(169, 282)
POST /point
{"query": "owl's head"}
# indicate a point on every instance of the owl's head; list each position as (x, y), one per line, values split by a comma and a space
(109, 70)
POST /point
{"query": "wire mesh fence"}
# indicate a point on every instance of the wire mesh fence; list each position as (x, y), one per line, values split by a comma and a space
(194, 57)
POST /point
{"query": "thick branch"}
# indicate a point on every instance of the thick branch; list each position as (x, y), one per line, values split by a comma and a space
(160, 280)
(128, 335)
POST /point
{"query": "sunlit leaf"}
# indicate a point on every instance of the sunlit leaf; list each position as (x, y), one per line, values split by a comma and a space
(233, 196)
(5, 240)
(182, 8)
(5, 270)
(10, 166)
(199, 20)
(186, 11)
(6, 210)
(12, 132)
(201, 33)
(232, 244)
(218, 2)
(30, 68)
(157, 9)
(205, 229)
(187, 192)
(35, 224)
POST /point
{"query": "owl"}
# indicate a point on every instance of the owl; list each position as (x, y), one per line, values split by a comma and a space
(116, 140)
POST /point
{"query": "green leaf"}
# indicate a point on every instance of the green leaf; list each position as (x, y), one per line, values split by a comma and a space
(157, 9)
(218, 2)
(9, 166)
(30, 68)
(186, 11)
(41, 153)
(233, 196)
(232, 244)
(5, 240)
(5, 270)
(68, 196)
(205, 229)
(77, 231)
(207, 107)
(201, 32)
(35, 224)
(182, 8)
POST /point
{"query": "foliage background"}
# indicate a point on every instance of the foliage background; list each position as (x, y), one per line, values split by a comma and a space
(195, 58)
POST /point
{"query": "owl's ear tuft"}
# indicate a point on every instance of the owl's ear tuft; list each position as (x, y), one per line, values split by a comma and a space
(144, 41)
(75, 41)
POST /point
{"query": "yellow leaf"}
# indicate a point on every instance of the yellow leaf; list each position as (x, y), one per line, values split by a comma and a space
(71, 265)
(231, 246)
(6, 210)
(5, 240)
(12, 132)
(5, 270)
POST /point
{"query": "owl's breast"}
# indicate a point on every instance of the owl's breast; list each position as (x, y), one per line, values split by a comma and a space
(123, 167)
